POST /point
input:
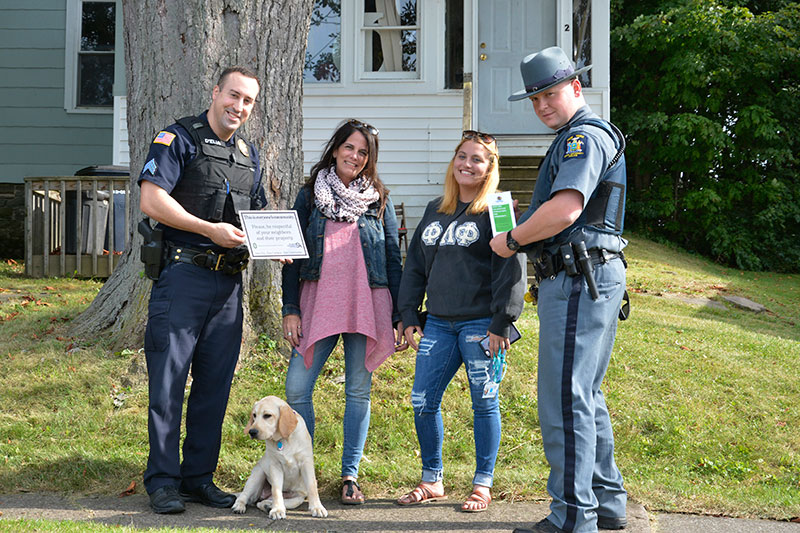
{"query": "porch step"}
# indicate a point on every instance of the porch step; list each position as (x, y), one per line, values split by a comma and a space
(518, 175)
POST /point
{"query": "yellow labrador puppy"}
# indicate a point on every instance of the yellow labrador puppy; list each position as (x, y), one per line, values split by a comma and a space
(284, 476)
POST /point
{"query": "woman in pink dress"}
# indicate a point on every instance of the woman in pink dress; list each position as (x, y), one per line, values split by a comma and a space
(347, 287)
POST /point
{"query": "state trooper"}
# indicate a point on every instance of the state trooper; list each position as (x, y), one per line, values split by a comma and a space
(572, 233)
(199, 173)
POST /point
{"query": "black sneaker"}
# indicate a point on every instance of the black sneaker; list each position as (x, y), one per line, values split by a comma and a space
(611, 522)
(543, 526)
(167, 501)
(208, 494)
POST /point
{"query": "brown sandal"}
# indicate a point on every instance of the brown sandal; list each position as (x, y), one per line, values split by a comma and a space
(351, 493)
(419, 495)
(481, 500)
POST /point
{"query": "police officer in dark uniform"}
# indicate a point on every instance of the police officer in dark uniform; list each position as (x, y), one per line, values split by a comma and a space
(573, 234)
(198, 174)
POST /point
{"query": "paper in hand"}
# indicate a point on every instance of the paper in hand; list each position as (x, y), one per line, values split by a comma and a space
(501, 212)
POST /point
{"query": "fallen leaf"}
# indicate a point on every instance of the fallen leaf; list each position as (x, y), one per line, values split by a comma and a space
(10, 262)
(131, 490)
(687, 349)
(48, 288)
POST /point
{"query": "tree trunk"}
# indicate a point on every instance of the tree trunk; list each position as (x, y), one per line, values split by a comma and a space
(174, 53)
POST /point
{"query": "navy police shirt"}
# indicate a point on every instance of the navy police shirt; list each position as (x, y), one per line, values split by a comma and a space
(170, 152)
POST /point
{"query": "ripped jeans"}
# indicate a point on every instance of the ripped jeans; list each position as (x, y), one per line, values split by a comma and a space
(443, 349)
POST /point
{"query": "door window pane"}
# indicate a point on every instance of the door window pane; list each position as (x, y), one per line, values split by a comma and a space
(454, 45)
(323, 54)
(390, 35)
(582, 38)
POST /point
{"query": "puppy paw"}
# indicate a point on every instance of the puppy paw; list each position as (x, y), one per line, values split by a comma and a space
(277, 513)
(239, 507)
(318, 511)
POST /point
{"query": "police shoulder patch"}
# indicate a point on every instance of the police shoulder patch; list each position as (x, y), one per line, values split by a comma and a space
(164, 137)
(575, 147)
(150, 167)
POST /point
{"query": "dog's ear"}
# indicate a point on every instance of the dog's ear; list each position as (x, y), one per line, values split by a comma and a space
(249, 425)
(287, 422)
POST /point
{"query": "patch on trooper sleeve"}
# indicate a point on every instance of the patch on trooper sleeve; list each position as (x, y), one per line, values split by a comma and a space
(150, 167)
(164, 137)
(576, 147)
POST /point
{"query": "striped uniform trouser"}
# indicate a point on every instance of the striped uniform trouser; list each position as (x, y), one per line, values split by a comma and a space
(576, 336)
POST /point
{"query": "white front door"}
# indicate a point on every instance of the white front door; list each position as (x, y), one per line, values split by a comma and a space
(508, 30)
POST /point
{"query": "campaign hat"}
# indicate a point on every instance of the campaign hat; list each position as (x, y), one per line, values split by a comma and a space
(545, 69)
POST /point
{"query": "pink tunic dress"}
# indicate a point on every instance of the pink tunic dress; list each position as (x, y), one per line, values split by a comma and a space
(342, 300)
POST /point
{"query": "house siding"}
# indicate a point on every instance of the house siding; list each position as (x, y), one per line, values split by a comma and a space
(417, 136)
(38, 137)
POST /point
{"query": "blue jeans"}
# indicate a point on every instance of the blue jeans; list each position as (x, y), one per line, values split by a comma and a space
(444, 348)
(357, 386)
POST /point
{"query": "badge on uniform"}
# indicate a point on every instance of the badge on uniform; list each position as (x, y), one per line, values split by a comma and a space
(164, 137)
(243, 147)
(576, 147)
(150, 167)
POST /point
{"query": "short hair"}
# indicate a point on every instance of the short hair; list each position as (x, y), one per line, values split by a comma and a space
(244, 71)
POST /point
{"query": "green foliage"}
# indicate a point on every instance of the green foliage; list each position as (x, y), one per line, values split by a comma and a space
(713, 129)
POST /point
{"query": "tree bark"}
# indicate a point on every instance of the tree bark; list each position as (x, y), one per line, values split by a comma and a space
(174, 53)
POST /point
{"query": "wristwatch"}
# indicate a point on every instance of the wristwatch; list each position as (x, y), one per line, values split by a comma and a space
(511, 243)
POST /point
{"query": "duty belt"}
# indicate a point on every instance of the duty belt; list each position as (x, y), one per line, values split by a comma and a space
(549, 265)
(231, 262)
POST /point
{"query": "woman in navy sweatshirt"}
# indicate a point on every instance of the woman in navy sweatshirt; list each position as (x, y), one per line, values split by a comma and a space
(471, 293)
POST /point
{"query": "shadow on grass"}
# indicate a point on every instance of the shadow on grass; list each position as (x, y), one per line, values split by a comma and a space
(73, 473)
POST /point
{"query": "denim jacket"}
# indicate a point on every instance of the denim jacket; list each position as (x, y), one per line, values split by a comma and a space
(379, 241)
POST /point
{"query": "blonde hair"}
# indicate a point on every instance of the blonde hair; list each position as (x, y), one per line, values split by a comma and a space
(490, 183)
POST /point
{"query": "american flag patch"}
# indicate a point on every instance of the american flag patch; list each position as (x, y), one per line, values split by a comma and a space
(164, 137)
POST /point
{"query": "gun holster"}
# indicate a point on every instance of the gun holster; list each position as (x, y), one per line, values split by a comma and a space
(152, 249)
(236, 260)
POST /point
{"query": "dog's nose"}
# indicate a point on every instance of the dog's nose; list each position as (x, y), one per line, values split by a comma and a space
(253, 433)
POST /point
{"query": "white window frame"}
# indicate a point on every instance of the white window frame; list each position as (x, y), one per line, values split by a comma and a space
(71, 49)
(361, 73)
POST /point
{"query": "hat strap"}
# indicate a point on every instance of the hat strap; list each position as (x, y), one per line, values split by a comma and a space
(559, 75)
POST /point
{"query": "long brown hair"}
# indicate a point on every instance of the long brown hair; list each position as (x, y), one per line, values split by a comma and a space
(370, 170)
(481, 201)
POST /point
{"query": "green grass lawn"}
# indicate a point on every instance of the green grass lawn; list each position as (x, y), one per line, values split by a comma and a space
(703, 400)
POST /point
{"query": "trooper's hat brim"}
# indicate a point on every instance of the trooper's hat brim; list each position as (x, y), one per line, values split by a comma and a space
(531, 90)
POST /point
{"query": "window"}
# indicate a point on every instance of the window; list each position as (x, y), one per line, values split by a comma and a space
(389, 36)
(454, 45)
(90, 54)
(582, 38)
(323, 54)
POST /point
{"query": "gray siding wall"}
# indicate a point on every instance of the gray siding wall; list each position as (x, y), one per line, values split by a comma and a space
(37, 136)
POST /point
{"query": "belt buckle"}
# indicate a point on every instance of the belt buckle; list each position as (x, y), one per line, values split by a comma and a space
(218, 266)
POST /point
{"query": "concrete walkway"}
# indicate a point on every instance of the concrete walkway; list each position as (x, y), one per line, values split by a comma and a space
(376, 515)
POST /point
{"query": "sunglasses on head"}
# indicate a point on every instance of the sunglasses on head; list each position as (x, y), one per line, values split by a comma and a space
(363, 126)
(474, 134)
